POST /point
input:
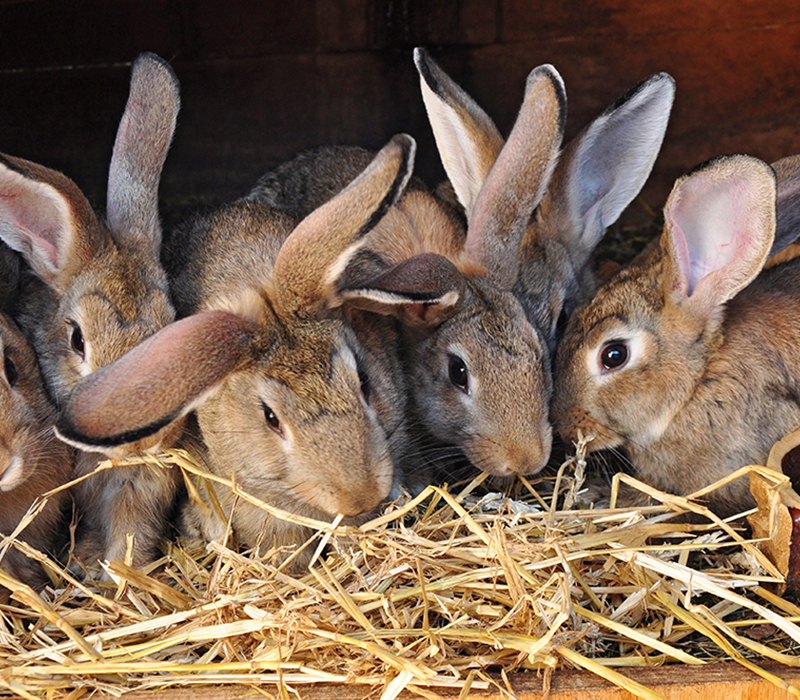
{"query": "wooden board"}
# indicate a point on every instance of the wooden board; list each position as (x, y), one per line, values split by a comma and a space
(263, 79)
(723, 681)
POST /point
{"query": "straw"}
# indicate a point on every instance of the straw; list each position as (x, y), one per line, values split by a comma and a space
(446, 590)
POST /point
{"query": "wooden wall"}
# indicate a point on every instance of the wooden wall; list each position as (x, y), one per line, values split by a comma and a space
(264, 79)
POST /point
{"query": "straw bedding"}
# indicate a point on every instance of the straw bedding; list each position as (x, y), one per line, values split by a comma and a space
(437, 592)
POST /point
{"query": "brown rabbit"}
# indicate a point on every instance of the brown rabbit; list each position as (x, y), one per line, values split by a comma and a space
(98, 290)
(689, 357)
(289, 404)
(32, 460)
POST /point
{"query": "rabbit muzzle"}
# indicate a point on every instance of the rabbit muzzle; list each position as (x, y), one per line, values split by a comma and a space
(354, 491)
(572, 420)
(507, 457)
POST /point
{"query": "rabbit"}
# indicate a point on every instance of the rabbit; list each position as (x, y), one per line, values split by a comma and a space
(94, 290)
(32, 460)
(288, 403)
(479, 373)
(689, 357)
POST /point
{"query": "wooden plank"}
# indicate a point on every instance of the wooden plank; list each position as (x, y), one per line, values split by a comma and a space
(47, 33)
(614, 18)
(421, 22)
(347, 25)
(261, 82)
(249, 28)
(723, 681)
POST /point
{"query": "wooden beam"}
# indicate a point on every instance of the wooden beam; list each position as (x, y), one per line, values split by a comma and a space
(719, 681)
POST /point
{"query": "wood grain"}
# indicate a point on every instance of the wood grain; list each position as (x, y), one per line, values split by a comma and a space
(723, 681)
(263, 79)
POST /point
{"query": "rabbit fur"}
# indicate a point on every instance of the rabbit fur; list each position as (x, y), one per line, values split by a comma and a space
(94, 290)
(32, 460)
(289, 404)
(688, 358)
(477, 321)
(498, 417)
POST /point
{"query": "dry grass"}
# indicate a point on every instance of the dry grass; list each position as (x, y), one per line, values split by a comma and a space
(432, 594)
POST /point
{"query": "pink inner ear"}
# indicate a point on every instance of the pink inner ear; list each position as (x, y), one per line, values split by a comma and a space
(720, 224)
(714, 227)
(34, 219)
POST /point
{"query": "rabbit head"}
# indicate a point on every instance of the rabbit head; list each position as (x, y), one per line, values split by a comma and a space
(285, 395)
(99, 288)
(32, 460)
(677, 359)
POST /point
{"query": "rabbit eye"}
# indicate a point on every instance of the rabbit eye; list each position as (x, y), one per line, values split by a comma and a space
(614, 355)
(272, 420)
(12, 375)
(366, 387)
(459, 374)
(76, 341)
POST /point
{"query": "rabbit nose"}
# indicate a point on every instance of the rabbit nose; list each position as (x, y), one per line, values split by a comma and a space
(525, 454)
(527, 461)
(359, 503)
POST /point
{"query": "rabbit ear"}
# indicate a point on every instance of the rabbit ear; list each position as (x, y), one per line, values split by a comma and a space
(143, 139)
(423, 291)
(44, 216)
(519, 178)
(467, 139)
(606, 165)
(719, 227)
(317, 251)
(157, 382)
(787, 171)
